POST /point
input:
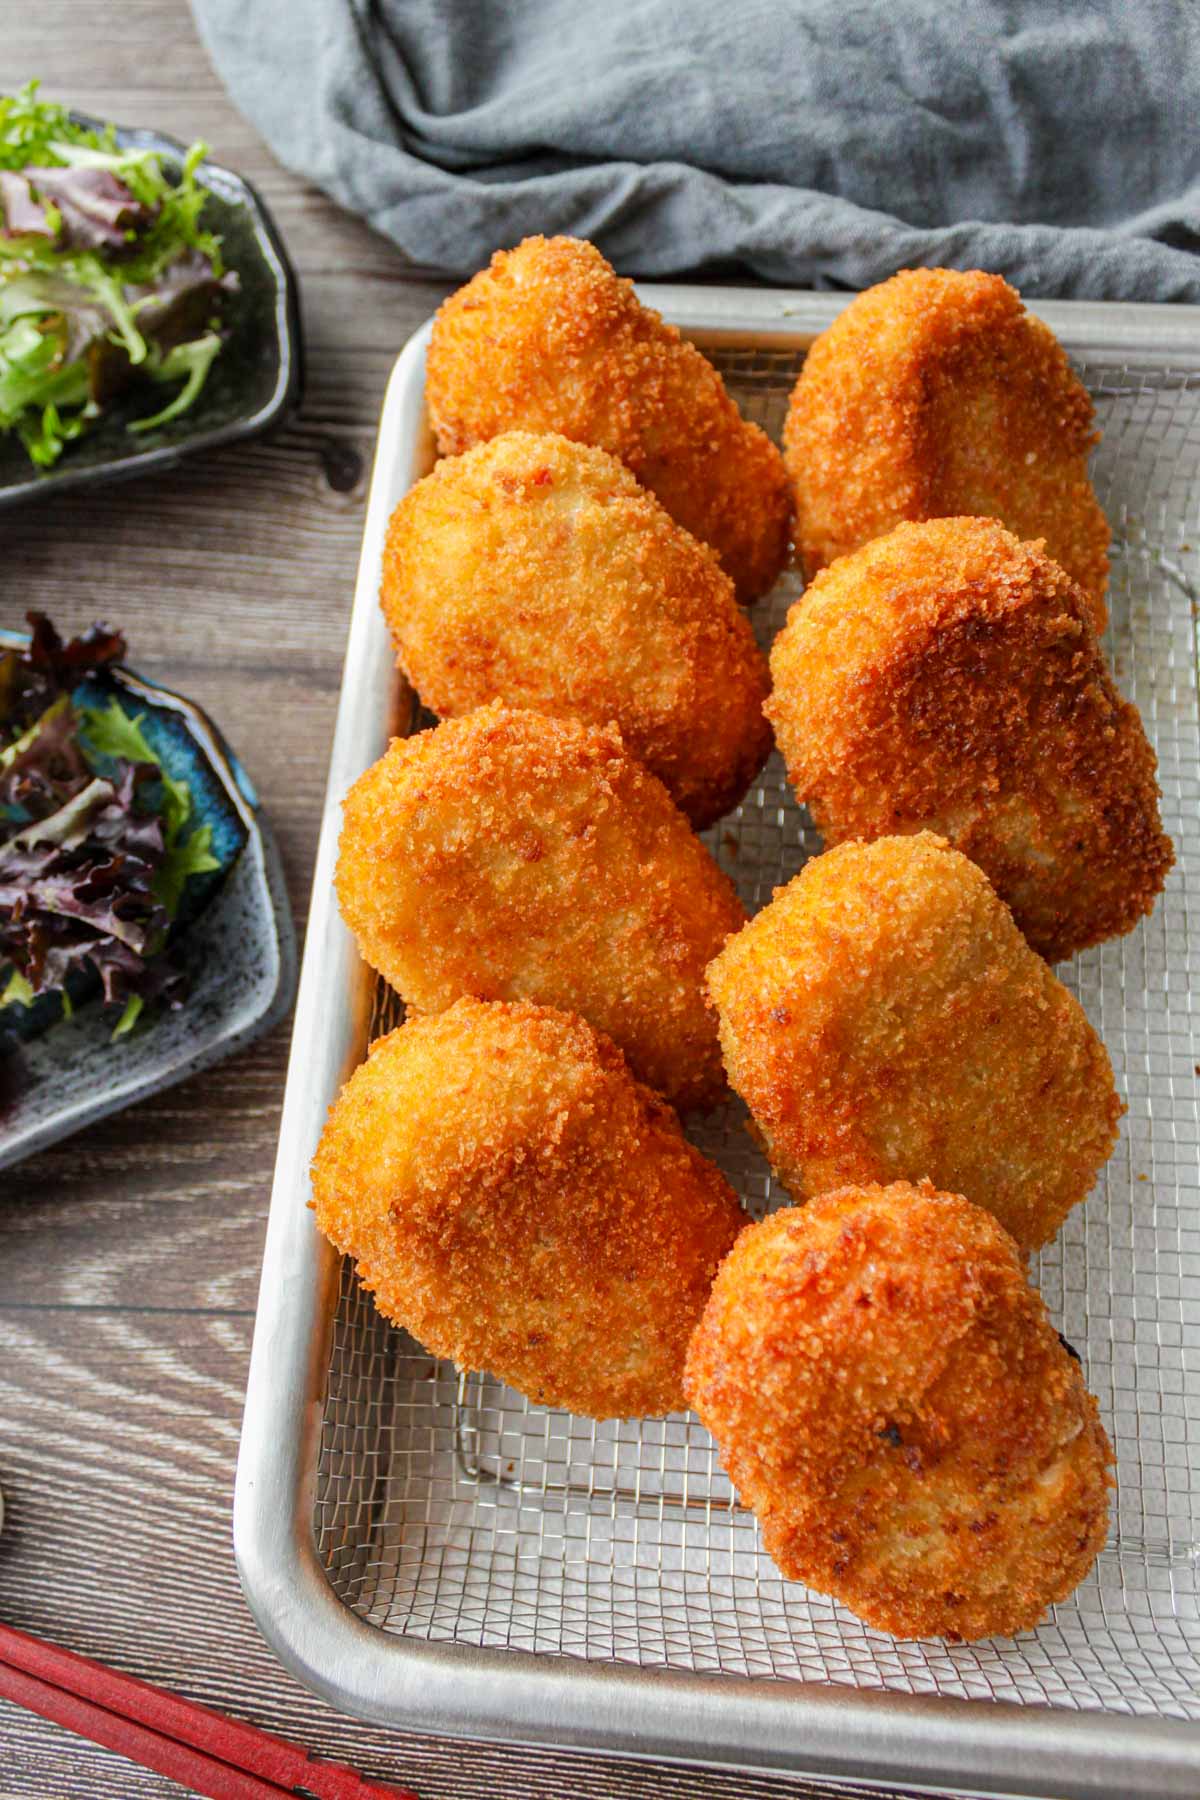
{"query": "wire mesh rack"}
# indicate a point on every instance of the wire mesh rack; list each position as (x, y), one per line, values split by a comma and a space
(451, 1509)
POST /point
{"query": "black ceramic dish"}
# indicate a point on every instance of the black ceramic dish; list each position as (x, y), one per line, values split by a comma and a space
(253, 383)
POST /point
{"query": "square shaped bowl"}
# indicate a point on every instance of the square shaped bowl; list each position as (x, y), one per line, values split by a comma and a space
(239, 954)
(254, 382)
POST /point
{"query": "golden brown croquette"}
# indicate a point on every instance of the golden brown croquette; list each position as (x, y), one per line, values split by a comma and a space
(884, 1020)
(888, 1394)
(549, 338)
(538, 572)
(518, 1202)
(936, 394)
(507, 855)
(947, 676)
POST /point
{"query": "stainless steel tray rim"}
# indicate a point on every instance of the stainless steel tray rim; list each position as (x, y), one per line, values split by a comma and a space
(457, 1690)
(995, 1747)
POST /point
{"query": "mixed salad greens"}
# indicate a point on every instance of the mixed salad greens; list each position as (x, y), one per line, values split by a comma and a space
(97, 840)
(107, 277)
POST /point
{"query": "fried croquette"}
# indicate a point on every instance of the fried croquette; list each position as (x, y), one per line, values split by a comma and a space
(884, 1020)
(538, 572)
(549, 338)
(512, 856)
(889, 1396)
(949, 676)
(936, 394)
(518, 1202)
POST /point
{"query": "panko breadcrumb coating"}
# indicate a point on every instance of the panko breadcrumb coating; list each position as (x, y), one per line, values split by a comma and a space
(549, 338)
(538, 572)
(517, 1201)
(949, 676)
(936, 394)
(884, 1020)
(889, 1396)
(512, 856)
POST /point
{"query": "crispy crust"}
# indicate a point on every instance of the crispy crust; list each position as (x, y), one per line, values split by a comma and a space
(538, 572)
(948, 676)
(890, 1397)
(884, 1020)
(519, 1203)
(936, 394)
(507, 855)
(549, 338)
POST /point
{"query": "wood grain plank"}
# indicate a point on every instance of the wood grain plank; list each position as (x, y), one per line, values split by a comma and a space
(41, 1760)
(117, 1441)
(165, 1203)
(151, 45)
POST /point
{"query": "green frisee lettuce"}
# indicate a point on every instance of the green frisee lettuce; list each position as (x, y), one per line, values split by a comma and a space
(59, 305)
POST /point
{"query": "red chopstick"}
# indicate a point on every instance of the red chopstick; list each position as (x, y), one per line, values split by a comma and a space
(221, 1758)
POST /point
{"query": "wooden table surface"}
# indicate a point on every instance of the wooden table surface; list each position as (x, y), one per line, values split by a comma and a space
(129, 1255)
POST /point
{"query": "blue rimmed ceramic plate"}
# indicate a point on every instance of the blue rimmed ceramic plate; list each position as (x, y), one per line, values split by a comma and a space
(238, 948)
(255, 381)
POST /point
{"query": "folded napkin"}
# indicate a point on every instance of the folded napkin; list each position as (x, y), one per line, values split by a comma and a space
(822, 143)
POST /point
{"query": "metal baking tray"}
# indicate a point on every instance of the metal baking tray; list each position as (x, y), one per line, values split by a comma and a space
(433, 1551)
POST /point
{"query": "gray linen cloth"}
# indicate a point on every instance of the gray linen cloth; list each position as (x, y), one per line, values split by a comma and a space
(821, 143)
